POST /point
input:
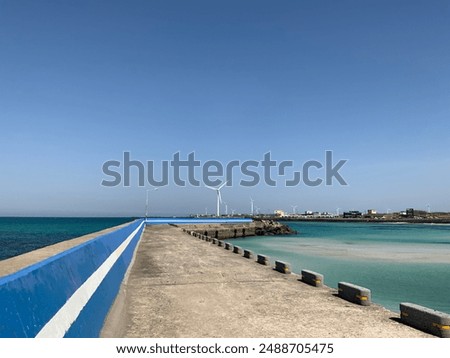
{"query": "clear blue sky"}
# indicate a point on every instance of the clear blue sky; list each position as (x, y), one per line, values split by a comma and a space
(83, 81)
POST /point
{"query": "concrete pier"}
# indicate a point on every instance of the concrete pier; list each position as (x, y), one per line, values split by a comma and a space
(230, 231)
(180, 286)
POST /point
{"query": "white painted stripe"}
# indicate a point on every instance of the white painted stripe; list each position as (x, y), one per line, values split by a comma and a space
(69, 312)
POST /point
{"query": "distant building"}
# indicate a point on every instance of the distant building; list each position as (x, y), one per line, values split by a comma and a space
(280, 213)
(371, 212)
(352, 214)
(410, 212)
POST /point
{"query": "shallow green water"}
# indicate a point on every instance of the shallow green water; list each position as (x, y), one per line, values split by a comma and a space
(398, 262)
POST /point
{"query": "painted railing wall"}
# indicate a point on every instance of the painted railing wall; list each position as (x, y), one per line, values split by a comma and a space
(69, 294)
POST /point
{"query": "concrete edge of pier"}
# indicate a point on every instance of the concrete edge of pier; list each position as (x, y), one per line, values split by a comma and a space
(186, 286)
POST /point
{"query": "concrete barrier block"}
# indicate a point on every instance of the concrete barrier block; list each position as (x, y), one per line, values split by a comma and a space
(237, 250)
(248, 254)
(228, 246)
(220, 242)
(354, 293)
(312, 278)
(208, 239)
(214, 241)
(425, 319)
(263, 260)
(282, 267)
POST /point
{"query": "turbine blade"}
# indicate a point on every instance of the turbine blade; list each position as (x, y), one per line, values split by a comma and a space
(210, 187)
(222, 185)
(220, 196)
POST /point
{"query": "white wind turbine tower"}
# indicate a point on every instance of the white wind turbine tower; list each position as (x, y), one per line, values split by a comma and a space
(219, 196)
(251, 205)
(293, 209)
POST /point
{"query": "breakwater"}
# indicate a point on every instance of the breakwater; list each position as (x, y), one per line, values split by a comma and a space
(184, 285)
(238, 230)
(431, 321)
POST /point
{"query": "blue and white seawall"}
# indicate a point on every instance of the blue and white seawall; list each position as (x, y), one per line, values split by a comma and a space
(70, 294)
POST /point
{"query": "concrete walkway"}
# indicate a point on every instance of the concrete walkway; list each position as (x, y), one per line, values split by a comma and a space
(180, 286)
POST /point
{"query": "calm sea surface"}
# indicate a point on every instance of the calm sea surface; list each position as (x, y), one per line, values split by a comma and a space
(20, 235)
(398, 262)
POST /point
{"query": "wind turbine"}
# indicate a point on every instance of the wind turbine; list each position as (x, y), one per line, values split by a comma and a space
(251, 205)
(293, 209)
(219, 196)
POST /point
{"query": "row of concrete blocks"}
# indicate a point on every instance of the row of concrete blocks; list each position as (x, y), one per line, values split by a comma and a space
(419, 317)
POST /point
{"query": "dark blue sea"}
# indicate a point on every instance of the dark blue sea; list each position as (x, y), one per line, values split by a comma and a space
(20, 235)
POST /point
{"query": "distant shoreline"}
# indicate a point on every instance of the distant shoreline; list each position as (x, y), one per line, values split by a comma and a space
(369, 220)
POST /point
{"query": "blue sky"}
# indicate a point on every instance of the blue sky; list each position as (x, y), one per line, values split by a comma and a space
(83, 81)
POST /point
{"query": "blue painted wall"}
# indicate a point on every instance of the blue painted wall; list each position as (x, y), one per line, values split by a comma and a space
(31, 297)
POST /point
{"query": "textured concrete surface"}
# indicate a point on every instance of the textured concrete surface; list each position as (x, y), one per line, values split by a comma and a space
(180, 286)
(426, 319)
(354, 293)
(312, 278)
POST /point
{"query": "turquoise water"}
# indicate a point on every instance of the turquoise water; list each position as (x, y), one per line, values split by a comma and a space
(398, 262)
(20, 235)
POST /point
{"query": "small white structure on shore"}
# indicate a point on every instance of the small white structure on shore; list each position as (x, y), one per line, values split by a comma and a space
(279, 213)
